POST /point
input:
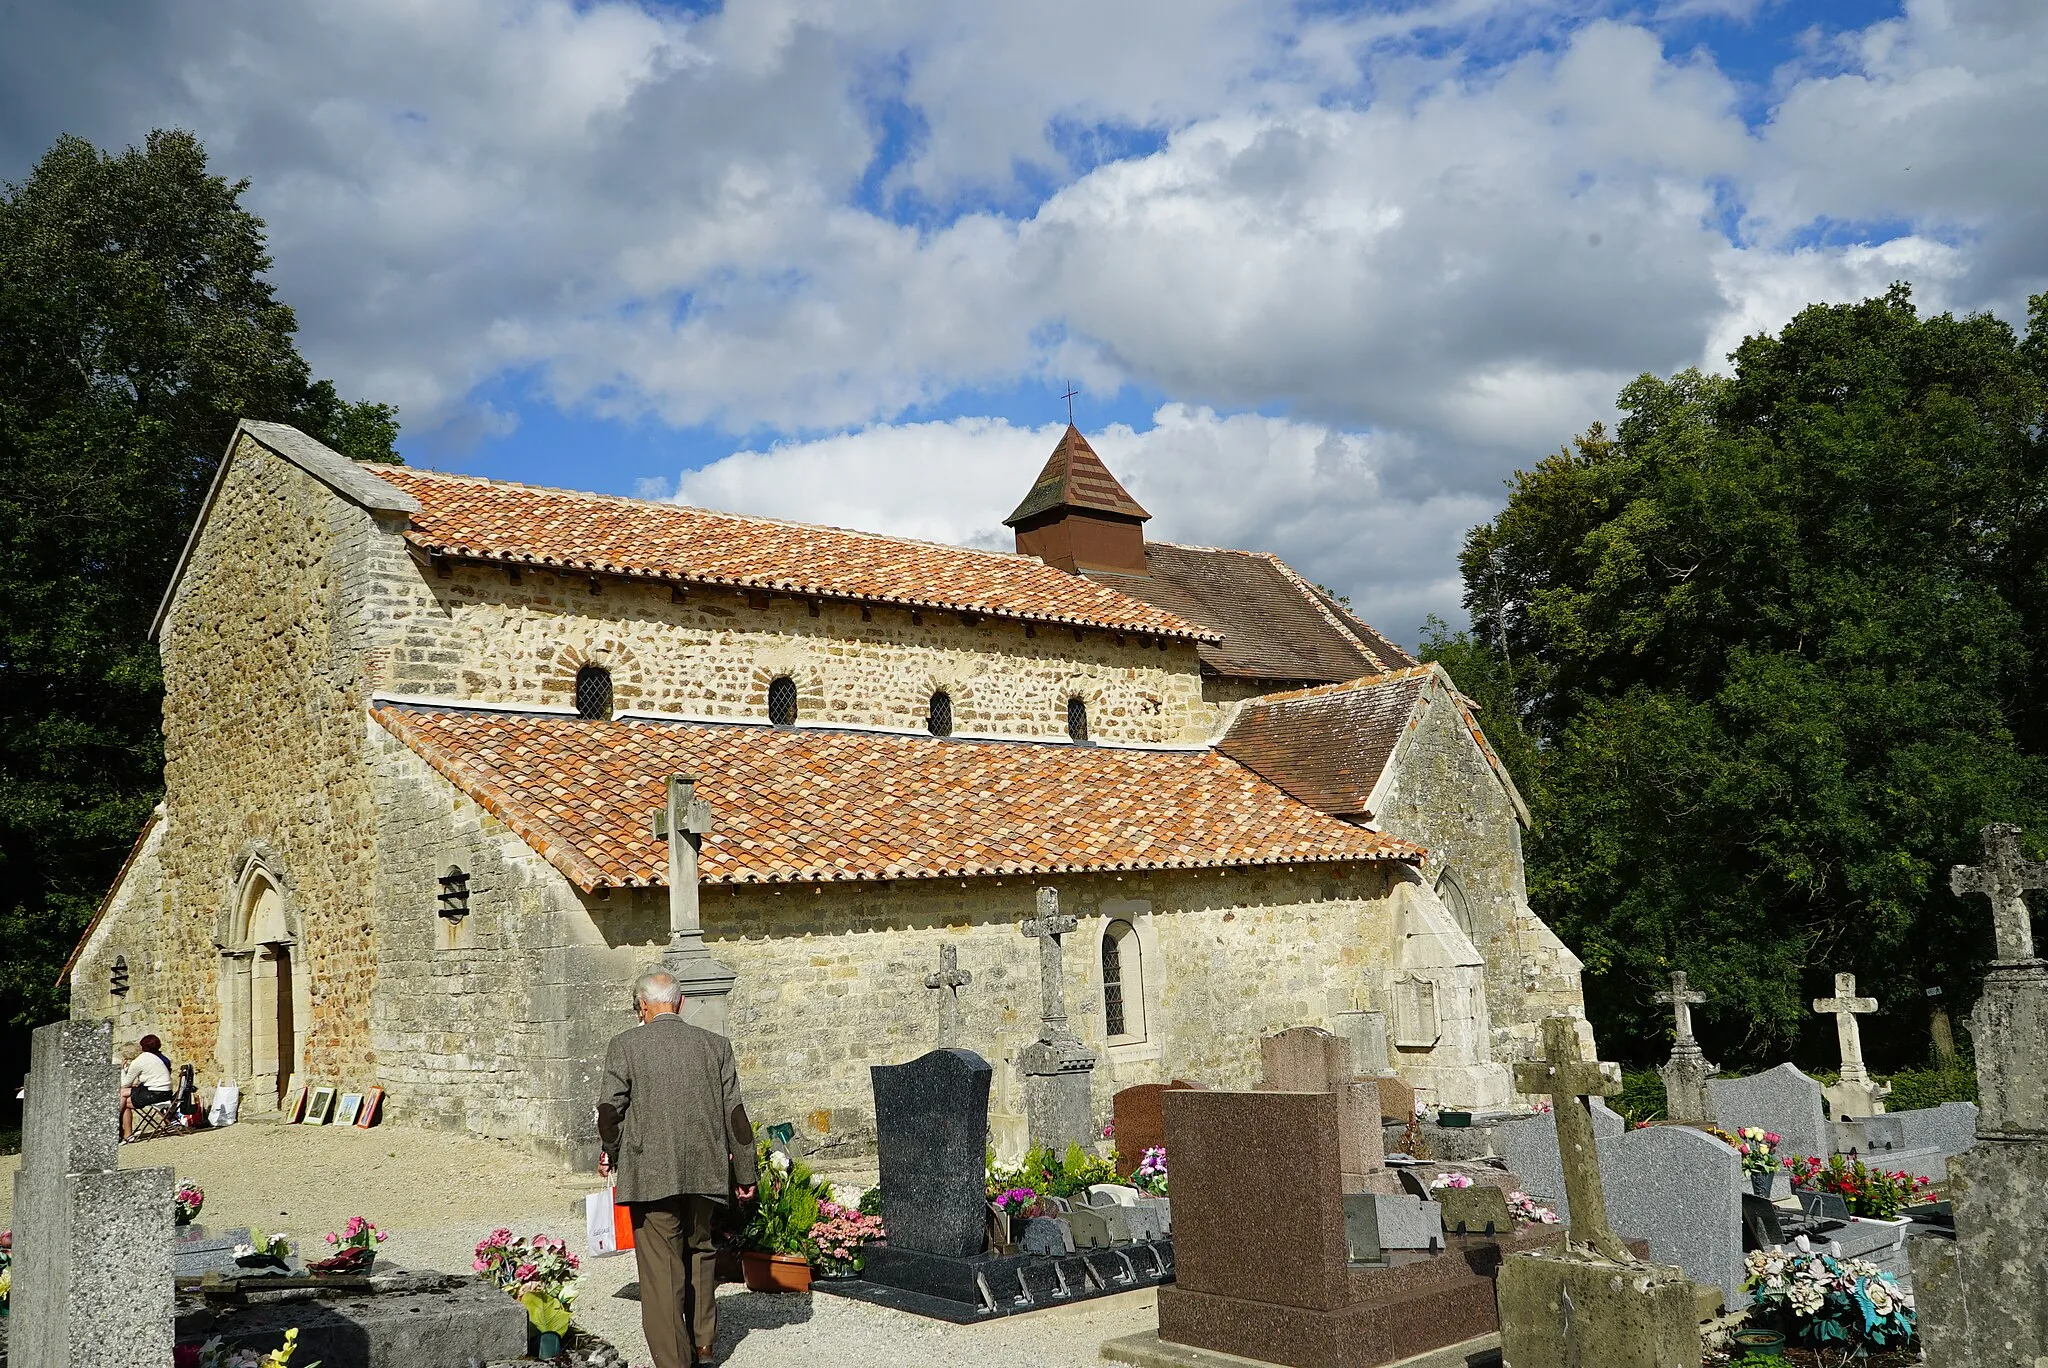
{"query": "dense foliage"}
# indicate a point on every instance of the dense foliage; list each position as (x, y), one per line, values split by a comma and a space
(1765, 659)
(135, 328)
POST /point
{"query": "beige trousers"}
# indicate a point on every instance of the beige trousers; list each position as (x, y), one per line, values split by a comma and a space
(678, 1278)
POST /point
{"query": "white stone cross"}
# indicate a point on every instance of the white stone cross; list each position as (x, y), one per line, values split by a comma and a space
(1569, 1081)
(1047, 928)
(949, 980)
(1682, 1000)
(690, 815)
(2005, 878)
(1845, 1007)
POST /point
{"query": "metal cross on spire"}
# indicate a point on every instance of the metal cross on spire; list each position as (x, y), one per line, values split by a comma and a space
(1069, 397)
(2005, 878)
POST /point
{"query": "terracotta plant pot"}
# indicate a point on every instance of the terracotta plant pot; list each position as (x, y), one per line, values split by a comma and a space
(776, 1272)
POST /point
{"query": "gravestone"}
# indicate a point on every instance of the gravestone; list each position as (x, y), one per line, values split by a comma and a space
(1310, 1059)
(1058, 1069)
(1686, 1073)
(1140, 1122)
(949, 979)
(92, 1243)
(1950, 1127)
(684, 821)
(1590, 1301)
(1474, 1210)
(196, 1255)
(1529, 1147)
(1679, 1190)
(1857, 1094)
(1782, 1100)
(1365, 1035)
(931, 1124)
(1264, 1266)
(1375, 1223)
(1303, 1059)
(1979, 1297)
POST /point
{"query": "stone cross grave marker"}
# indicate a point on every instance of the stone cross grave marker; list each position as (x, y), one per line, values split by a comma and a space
(1856, 1094)
(707, 985)
(1057, 1067)
(949, 980)
(2005, 877)
(1569, 1081)
(92, 1242)
(1685, 1074)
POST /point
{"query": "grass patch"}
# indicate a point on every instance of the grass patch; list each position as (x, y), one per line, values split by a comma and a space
(10, 1140)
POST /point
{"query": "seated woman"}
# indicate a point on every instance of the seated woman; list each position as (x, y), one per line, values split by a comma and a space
(145, 1079)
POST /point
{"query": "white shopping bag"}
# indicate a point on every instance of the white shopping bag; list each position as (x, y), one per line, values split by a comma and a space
(605, 1224)
(227, 1100)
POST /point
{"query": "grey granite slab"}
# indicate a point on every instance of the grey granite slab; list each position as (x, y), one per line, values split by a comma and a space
(931, 1134)
(1782, 1100)
(1681, 1190)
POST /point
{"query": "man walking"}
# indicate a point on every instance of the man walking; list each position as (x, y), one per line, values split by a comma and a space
(672, 1126)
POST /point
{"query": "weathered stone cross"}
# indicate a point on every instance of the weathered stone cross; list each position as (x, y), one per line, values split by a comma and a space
(1047, 928)
(949, 980)
(1682, 1000)
(1845, 1006)
(690, 815)
(2005, 878)
(1569, 1081)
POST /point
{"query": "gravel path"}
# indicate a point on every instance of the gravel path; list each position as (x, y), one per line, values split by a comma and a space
(437, 1194)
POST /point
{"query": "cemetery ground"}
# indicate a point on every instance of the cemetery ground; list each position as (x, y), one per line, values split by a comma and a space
(438, 1194)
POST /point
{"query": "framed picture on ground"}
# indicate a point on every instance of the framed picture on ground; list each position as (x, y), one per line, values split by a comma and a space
(293, 1108)
(373, 1102)
(318, 1104)
(346, 1111)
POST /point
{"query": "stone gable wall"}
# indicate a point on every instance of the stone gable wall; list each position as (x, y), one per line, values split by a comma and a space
(1445, 796)
(476, 635)
(263, 749)
(132, 930)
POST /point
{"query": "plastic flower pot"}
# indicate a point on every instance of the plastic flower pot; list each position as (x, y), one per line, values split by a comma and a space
(767, 1272)
(1454, 1120)
(1771, 1185)
(1756, 1343)
(550, 1345)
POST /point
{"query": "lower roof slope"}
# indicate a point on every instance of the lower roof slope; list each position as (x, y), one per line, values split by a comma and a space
(813, 805)
(1275, 625)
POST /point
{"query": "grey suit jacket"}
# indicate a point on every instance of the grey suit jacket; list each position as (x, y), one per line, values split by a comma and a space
(670, 1116)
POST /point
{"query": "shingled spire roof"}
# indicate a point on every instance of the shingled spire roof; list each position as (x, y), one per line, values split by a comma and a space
(1075, 477)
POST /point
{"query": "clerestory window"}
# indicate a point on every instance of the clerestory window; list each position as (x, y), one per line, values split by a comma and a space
(938, 718)
(594, 693)
(1077, 721)
(782, 701)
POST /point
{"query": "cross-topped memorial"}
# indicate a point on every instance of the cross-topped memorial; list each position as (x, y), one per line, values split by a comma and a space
(2005, 877)
(1856, 1094)
(707, 984)
(1057, 1067)
(949, 980)
(1686, 1073)
(1681, 1000)
(1568, 1081)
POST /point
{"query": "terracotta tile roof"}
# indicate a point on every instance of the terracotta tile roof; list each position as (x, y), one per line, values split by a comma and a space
(1328, 746)
(1075, 477)
(494, 520)
(1274, 624)
(814, 805)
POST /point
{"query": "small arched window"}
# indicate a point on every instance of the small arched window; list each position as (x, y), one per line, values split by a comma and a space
(1452, 894)
(938, 718)
(1077, 720)
(782, 701)
(1123, 984)
(594, 693)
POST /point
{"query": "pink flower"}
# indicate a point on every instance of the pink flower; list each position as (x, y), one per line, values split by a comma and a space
(380, 1237)
(333, 1238)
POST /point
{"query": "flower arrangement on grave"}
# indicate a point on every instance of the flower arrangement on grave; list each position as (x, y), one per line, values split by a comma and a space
(1758, 1148)
(264, 1249)
(838, 1238)
(186, 1202)
(1150, 1174)
(355, 1247)
(1449, 1180)
(215, 1354)
(1043, 1171)
(1016, 1201)
(1871, 1193)
(1825, 1301)
(539, 1273)
(1523, 1207)
(791, 1198)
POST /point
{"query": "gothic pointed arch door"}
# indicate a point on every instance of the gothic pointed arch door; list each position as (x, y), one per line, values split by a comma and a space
(263, 991)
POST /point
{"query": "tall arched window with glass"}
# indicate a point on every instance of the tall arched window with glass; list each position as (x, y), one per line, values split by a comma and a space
(1123, 983)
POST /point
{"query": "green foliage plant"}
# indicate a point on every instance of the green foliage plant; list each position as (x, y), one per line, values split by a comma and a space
(136, 327)
(789, 1204)
(1913, 1089)
(1052, 1175)
(1641, 1098)
(1775, 643)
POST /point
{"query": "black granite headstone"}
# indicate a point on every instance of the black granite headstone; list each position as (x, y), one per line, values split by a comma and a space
(931, 1131)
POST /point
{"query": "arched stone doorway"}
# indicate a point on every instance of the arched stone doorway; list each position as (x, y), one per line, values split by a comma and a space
(265, 1001)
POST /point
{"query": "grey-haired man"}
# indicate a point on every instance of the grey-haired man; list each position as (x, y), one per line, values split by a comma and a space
(672, 1125)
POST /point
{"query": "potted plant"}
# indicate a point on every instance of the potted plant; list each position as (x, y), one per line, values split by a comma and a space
(1010, 1205)
(1150, 1175)
(1829, 1303)
(264, 1253)
(1871, 1194)
(839, 1237)
(776, 1249)
(1759, 1150)
(186, 1202)
(541, 1275)
(355, 1248)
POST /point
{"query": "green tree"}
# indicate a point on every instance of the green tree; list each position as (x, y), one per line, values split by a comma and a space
(1775, 640)
(135, 328)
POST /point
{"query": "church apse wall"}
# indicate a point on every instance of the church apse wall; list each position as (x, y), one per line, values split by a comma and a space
(475, 635)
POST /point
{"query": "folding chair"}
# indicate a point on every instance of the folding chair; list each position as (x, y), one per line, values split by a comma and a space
(157, 1121)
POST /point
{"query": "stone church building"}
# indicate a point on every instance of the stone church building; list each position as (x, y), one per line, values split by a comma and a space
(420, 728)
